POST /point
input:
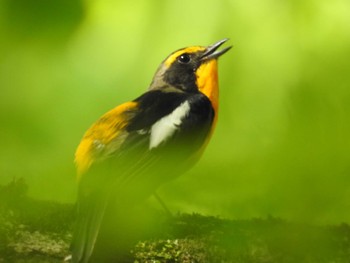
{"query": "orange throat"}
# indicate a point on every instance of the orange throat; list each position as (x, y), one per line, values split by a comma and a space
(207, 82)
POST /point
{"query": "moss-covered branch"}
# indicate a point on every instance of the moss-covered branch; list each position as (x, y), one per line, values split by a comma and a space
(40, 231)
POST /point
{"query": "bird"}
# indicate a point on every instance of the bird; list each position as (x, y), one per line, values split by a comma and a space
(138, 146)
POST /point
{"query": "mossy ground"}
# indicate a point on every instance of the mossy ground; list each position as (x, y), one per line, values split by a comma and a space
(39, 231)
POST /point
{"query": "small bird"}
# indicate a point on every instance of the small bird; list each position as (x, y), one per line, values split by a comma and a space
(138, 146)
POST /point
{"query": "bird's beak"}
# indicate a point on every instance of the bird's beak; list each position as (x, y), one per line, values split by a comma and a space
(211, 51)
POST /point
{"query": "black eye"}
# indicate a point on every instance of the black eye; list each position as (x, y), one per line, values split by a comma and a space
(184, 58)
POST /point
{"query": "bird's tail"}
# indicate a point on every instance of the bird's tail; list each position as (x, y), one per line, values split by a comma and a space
(90, 214)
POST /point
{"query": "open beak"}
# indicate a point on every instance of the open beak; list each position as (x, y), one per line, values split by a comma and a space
(211, 51)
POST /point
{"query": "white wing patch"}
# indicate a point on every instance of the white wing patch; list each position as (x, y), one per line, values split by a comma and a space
(166, 126)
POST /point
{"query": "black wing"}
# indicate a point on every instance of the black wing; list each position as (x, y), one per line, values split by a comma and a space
(135, 170)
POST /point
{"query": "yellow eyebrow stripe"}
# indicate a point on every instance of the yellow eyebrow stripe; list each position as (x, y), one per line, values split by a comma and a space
(170, 60)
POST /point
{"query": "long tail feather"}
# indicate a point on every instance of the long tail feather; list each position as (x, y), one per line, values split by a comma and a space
(91, 212)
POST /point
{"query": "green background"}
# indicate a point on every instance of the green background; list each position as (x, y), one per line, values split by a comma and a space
(281, 146)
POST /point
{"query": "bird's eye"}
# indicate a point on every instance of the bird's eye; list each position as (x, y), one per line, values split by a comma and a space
(184, 58)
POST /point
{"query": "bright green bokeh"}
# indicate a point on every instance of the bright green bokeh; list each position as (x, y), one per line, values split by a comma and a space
(282, 144)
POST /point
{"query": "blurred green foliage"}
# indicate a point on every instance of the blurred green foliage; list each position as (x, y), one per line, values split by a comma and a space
(282, 143)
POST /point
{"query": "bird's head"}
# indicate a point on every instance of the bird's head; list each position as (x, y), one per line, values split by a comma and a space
(190, 69)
